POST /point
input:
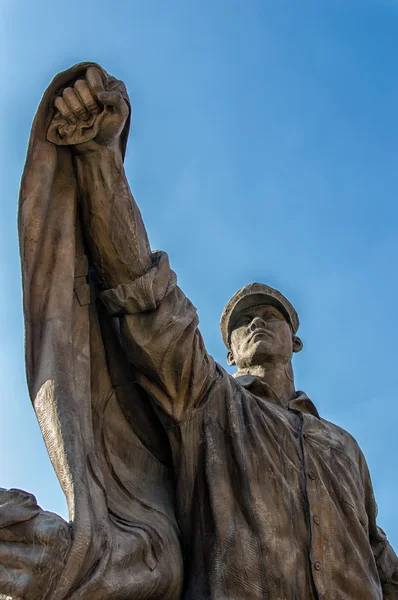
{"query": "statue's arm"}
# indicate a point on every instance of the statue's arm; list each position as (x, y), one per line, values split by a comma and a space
(159, 327)
(158, 323)
(385, 557)
(41, 556)
(34, 545)
(113, 227)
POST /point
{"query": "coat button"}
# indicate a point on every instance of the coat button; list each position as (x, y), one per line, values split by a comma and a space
(317, 565)
(316, 520)
(311, 475)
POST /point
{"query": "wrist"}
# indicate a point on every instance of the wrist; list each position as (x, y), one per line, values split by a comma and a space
(90, 150)
(92, 153)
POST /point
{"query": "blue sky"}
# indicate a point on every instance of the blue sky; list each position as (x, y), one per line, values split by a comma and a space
(263, 148)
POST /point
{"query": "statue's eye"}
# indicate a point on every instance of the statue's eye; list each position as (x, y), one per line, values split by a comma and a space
(244, 321)
(271, 317)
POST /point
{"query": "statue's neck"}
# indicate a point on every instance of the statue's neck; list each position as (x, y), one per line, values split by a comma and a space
(279, 379)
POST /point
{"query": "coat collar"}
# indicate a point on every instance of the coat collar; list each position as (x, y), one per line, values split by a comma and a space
(259, 387)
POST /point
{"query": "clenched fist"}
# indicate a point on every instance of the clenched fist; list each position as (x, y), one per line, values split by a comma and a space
(87, 116)
(34, 545)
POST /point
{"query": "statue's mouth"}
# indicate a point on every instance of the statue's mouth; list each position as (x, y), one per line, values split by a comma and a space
(263, 332)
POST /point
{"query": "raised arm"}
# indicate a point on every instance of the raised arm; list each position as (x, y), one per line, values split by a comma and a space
(113, 226)
(159, 324)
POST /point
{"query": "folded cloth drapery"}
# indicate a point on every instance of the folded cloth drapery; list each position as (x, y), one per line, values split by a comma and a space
(109, 457)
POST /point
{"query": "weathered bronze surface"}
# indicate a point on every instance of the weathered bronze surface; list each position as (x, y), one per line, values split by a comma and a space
(182, 481)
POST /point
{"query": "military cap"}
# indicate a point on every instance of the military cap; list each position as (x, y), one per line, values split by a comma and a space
(254, 294)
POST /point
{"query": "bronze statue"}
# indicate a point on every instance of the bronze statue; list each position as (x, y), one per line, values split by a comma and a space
(182, 481)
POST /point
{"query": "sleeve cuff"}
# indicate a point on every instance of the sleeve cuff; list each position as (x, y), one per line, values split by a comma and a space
(145, 293)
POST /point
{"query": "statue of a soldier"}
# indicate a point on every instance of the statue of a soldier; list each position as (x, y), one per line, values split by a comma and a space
(182, 481)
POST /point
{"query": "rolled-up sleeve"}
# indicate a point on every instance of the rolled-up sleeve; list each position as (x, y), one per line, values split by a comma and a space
(159, 328)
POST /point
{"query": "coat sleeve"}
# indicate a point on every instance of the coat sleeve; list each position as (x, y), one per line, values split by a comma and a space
(385, 557)
(159, 328)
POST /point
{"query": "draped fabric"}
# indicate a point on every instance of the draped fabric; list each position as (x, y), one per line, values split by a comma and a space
(106, 445)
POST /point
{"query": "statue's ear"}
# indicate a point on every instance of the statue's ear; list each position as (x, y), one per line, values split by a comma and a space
(230, 359)
(297, 344)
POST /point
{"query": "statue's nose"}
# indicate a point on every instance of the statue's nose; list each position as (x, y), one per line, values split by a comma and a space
(257, 323)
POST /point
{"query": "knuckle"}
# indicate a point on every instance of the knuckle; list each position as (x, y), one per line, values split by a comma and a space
(67, 92)
(63, 108)
(80, 84)
(81, 111)
(90, 101)
(66, 112)
(94, 78)
(85, 94)
(93, 72)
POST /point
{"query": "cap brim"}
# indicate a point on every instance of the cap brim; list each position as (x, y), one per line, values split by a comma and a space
(255, 299)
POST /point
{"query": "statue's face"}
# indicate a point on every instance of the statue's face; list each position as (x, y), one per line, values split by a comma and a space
(261, 335)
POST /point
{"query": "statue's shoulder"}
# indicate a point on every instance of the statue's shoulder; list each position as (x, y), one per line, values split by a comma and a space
(342, 440)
